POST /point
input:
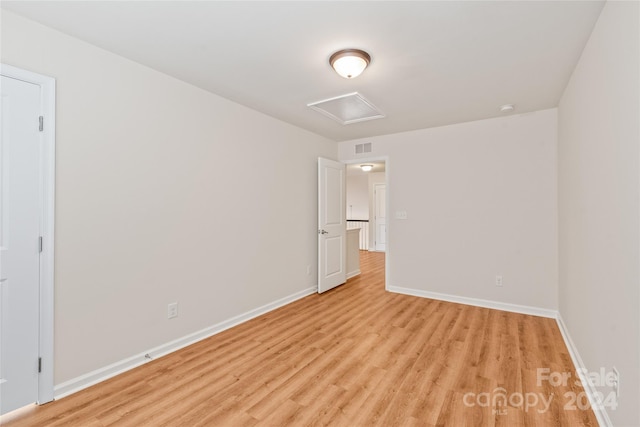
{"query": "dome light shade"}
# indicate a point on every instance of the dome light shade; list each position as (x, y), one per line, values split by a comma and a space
(350, 63)
(366, 168)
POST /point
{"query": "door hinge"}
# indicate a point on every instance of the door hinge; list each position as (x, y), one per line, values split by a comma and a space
(40, 243)
(39, 364)
(41, 123)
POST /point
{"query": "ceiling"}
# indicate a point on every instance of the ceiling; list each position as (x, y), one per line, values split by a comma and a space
(433, 63)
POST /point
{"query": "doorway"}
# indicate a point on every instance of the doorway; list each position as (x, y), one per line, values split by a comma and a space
(367, 206)
(27, 166)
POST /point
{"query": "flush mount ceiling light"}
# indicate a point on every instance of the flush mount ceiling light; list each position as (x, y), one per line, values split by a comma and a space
(366, 168)
(350, 63)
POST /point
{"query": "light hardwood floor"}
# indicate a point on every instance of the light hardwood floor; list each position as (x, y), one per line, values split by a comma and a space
(355, 356)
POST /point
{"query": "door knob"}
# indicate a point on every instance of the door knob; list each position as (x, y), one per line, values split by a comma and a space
(323, 232)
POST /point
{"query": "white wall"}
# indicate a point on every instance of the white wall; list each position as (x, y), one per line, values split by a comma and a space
(165, 193)
(599, 137)
(357, 197)
(481, 200)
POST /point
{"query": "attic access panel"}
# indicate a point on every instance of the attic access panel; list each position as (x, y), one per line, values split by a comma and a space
(347, 109)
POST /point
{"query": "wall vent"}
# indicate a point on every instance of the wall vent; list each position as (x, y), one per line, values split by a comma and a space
(363, 148)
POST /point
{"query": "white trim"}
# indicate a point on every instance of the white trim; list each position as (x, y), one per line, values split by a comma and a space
(79, 383)
(47, 169)
(496, 305)
(600, 412)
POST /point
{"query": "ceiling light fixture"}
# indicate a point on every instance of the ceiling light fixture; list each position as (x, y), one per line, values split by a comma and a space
(350, 63)
(366, 168)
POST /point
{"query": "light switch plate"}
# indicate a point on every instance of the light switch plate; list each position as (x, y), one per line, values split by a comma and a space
(401, 214)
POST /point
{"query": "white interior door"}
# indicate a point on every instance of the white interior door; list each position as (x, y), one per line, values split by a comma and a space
(19, 243)
(332, 225)
(380, 206)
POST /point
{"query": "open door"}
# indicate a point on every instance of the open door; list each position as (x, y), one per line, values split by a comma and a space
(332, 224)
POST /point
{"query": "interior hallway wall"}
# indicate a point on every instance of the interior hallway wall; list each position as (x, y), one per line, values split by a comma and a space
(357, 197)
(164, 193)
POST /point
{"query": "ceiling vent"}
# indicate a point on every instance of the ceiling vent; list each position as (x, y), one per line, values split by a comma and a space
(347, 109)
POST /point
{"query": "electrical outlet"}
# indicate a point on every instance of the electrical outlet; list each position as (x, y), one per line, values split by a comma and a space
(499, 281)
(172, 310)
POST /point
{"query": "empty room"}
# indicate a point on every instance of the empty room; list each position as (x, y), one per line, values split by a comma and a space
(349, 213)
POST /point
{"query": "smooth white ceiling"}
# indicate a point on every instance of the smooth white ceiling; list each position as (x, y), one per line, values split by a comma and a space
(433, 63)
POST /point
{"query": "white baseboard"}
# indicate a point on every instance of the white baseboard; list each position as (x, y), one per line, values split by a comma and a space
(524, 309)
(76, 384)
(599, 411)
(353, 274)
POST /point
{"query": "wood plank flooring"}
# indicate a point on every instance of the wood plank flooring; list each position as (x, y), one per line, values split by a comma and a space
(354, 356)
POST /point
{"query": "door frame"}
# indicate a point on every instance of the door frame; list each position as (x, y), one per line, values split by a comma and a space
(47, 210)
(387, 176)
